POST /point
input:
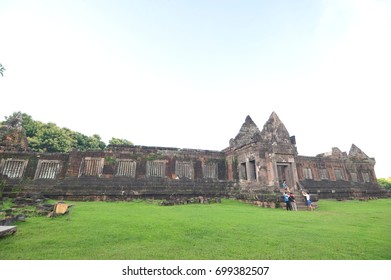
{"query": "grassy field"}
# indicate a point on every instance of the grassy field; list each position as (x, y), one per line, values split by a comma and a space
(141, 230)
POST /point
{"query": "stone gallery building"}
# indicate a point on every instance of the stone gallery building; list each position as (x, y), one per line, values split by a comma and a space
(255, 163)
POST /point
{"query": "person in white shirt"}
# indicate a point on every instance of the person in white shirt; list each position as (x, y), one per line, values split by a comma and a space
(308, 200)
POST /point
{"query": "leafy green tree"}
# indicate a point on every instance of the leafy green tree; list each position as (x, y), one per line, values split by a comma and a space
(95, 142)
(52, 139)
(385, 183)
(2, 69)
(31, 127)
(48, 137)
(118, 141)
(81, 141)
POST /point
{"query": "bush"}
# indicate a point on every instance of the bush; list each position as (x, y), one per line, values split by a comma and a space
(385, 183)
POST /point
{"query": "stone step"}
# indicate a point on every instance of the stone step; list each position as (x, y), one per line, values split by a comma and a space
(300, 205)
(7, 230)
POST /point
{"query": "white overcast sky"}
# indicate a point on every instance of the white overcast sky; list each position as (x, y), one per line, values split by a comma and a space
(186, 74)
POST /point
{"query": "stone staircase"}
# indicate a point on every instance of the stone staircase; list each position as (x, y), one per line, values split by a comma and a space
(300, 199)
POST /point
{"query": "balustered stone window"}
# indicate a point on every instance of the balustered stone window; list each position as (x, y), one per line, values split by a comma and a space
(323, 174)
(307, 172)
(184, 169)
(91, 167)
(156, 168)
(338, 174)
(13, 168)
(48, 169)
(210, 170)
(365, 177)
(125, 168)
(353, 175)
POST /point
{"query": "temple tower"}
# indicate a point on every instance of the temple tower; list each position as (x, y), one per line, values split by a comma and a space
(264, 159)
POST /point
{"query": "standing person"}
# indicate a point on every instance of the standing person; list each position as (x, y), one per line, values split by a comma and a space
(308, 200)
(292, 200)
(287, 202)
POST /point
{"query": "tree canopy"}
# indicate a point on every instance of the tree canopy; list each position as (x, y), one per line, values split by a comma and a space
(385, 183)
(117, 141)
(48, 137)
(2, 69)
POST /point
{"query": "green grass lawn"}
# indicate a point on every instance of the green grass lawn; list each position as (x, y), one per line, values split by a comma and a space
(232, 230)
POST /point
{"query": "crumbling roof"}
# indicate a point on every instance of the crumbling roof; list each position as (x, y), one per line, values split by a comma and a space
(248, 133)
(274, 131)
(356, 152)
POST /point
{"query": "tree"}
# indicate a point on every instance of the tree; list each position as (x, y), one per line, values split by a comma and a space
(32, 127)
(2, 69)
(95, 143)
(118, 141)
(385, 183)
(50, 138)
(84, 142)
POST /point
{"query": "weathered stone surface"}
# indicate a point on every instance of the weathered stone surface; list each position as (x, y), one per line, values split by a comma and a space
(7, 230)
(255, 163)
(12, 135)
(275, 132)
(248, 133)
(356, 153)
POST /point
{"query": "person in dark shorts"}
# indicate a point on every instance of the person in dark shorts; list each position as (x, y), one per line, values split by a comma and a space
(308, 200)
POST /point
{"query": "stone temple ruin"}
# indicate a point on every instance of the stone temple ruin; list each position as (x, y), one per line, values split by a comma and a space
(253, 166)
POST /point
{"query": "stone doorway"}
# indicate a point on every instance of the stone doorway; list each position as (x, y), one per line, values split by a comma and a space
(284, 173)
